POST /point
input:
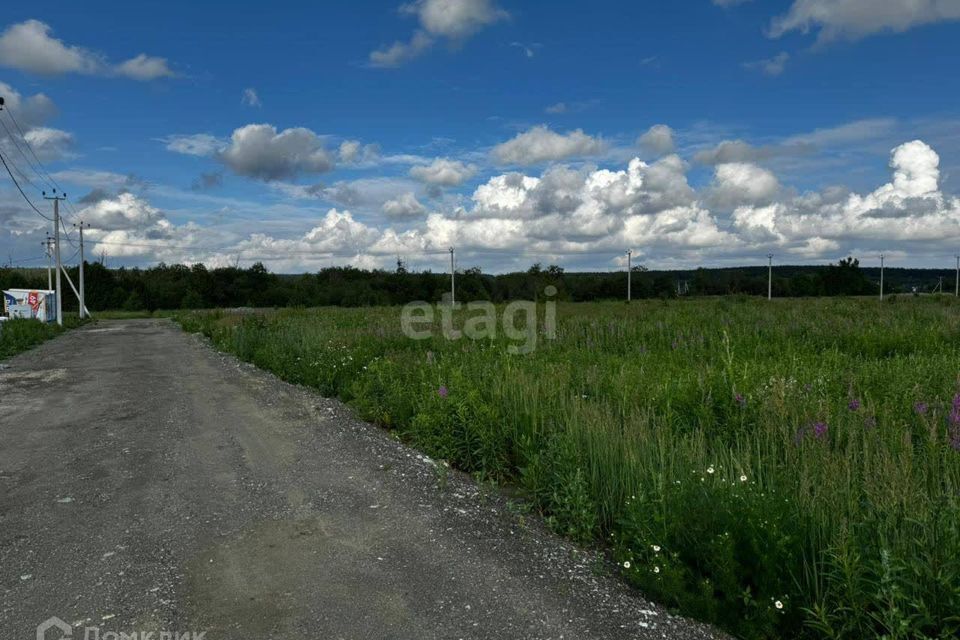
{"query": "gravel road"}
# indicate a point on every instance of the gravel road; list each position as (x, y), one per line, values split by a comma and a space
(150, 484)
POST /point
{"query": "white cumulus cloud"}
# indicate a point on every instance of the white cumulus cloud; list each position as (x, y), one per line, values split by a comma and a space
(443, 172)
(541, 144)
(260, 151)
(454, 20)
(404, 206)
(658, 140)
(30, 46)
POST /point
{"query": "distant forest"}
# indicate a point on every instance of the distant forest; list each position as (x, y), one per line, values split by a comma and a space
(183, 287)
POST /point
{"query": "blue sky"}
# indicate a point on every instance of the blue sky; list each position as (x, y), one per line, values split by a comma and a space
(694, 133)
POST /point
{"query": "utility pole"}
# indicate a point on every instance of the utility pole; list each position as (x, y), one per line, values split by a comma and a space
(453, 283)
(881, 276)
(46, 244)
(56, 248)
(629, 273)
(83, 306)
(769, 276)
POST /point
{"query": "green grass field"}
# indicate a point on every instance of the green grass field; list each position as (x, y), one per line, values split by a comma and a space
(784, 469)
(19, 335)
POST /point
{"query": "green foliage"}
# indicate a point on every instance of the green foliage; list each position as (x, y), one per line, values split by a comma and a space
(196, 287)
(21, 334)
(781, 469)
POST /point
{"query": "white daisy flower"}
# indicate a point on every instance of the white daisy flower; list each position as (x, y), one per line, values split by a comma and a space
(626, 564)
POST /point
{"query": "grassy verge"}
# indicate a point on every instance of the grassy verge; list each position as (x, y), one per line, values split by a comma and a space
(782, 470)
(19, 335)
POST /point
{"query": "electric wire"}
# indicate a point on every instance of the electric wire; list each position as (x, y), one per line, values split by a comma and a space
(30, 164)
(20, 189)
(29, 147)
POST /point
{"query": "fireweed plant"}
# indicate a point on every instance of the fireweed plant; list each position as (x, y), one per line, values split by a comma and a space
(784, 469)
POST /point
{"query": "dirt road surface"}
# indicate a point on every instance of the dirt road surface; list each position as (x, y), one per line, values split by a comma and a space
(149, 483)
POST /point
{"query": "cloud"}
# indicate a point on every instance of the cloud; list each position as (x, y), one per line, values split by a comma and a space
(405, 206)
(856, 19)
(908, 209)
(739, 183)
(144, 67)
(337, 233)
(400, 52)
(94, 196)
(443, 172)
(32, 114)
(49, 144)
(771, 66)
(856, 131)
(354, 152)
(540, 144)
(259, 151)
(29, 112)
(196, 144)
(740, 151)
(566, 210)
(121, 211)
(559, 107)
(658, 140)
(454, 20)
(30, 46)
(250, 98)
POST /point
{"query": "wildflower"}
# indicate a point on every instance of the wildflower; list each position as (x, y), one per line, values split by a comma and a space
(656, 548)
(656, 569)
(778, 604)
(743, 478)
(626, 564)
(819, 430)
(920, 408)
(739, 399)
(710, 470)
(442, 391)
(854, 405)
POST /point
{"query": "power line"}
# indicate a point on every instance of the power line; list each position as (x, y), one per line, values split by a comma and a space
(16, 145)
(29, 147)
(22, 260)
(20, 189)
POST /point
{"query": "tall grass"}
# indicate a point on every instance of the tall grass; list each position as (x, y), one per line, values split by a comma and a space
(21, 334)
(785, 469)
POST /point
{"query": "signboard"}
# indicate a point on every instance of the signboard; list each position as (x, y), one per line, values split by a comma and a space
(30, 303)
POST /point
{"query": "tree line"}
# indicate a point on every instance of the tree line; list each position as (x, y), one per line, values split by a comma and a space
(188, 287)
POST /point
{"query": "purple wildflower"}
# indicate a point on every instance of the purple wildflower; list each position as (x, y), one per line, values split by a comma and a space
(739, 399)
(920, 408)
(819, 430)
(854, 405)
(442, 391)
